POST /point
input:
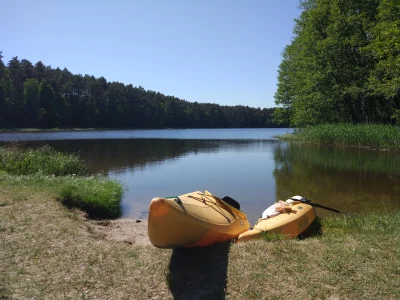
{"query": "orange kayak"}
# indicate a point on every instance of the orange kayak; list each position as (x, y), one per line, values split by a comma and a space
(290, 222)
(193, 219)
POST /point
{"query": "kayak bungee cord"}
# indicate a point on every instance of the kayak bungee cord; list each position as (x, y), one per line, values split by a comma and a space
(208, 202)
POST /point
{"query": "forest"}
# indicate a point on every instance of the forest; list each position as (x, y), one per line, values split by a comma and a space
(342, 65)
(39, 96)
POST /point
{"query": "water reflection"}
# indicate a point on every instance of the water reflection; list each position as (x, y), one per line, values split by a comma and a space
(353, 180)
(256, 172)
(148, 168)
(119, 155)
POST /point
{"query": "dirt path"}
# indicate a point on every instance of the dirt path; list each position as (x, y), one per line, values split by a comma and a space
(130, 231)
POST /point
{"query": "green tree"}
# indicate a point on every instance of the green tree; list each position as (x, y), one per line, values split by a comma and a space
(43, 96)
(32, 101)
(47, 100)
(384, 80)
(324, 73)
(3, 94)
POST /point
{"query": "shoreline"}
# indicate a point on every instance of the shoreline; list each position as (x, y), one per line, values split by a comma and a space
(28, 130)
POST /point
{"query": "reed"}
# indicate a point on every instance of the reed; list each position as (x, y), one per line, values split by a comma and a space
(373, 136)
(45, 160)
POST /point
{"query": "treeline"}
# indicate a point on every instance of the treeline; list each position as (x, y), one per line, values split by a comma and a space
(343, 64)
(43, 97)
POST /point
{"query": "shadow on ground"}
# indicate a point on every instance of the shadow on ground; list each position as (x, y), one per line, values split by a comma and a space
(315, 229)
(199, 273)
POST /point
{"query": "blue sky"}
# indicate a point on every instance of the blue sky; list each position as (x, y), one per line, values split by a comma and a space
(216, 51)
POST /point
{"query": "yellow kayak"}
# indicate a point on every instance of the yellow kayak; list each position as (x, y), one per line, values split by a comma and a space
(193, 219)
(294, 219)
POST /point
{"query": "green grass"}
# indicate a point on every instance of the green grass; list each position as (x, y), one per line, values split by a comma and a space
(99, 197)
(372, 224)
(272, 237)
(363, 135)
(44, 160)
(46, 168)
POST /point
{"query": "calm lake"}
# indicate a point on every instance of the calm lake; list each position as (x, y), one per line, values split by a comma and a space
(249, 165)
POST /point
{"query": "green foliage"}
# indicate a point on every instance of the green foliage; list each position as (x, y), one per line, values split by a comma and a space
(65, 100)
(342, 65)
(361, 135)
(99, 197)
(396, 116)
(385, 50)
(31, 99)
(44, 160)
(48, 101)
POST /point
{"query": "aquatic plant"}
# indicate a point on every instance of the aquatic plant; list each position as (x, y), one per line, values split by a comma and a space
(348, 135)
(45, 160)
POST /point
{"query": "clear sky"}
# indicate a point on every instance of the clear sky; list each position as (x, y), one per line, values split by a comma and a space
(215, 51)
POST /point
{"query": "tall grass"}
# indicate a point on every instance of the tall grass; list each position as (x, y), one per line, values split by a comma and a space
(44, 160)
(48, 169)
(362, 135)
(99, 197)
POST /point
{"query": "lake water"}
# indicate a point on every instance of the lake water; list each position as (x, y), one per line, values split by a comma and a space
(249, 165)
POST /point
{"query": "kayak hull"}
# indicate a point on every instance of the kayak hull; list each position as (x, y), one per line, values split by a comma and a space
(289, 224)
(193, 219)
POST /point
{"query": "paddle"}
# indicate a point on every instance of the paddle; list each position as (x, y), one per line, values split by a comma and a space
(308, 201)
(236, 205)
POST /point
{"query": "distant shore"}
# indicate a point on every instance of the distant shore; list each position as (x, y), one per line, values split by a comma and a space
(6, 130)
(56, 129)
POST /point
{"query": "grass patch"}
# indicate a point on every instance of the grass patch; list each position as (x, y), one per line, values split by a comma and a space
(272, 236)
(373, 223)
(362, 135)
(57, 172)
(45, 160)
(99, 197)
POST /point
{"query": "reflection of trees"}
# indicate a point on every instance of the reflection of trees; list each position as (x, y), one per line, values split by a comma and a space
(347, 179)
(111, 154)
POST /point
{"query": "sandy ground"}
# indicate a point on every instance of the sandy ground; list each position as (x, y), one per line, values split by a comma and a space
(129, 231)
